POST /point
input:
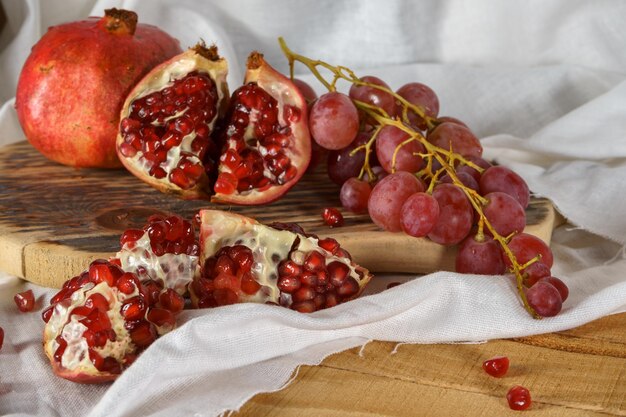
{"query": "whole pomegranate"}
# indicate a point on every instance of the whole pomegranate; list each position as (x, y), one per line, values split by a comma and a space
(73, 84)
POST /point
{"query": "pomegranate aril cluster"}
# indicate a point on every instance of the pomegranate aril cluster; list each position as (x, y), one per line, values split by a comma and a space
(162, 120)
(167, 234)
(255, 142)
(226, 277)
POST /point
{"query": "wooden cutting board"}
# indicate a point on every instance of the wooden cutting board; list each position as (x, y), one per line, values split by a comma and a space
(54, 219)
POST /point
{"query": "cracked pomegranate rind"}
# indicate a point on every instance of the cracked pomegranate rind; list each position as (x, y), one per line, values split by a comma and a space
(164, 135)
(265, 138)
(101, 320)
(245, 261)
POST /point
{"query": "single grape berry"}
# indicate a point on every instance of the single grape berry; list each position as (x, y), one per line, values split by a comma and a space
(497, 366)
(306, 90)
(332, 217)
(388, 196)
(390, 142)
(374, 96)
(480, 255)
(354, 195)
(419, 214)
(559, 285)
(422, 96)
(334, 121)
(25, 301)
(518, 398)
(534, 272)
(545, 299)
(459, 139)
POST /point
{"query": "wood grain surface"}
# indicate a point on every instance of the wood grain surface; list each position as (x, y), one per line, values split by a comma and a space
(54, 219)
(574, 373)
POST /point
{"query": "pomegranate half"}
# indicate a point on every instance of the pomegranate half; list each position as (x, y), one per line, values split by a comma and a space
(244, 261)
(74, 82)
(168, 135)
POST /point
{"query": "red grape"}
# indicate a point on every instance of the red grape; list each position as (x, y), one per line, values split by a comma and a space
(448, 119)
(499, 178)
(354, 195)
(459, 139)
(482, 257)
(422, 96)
(525, 247)
(545, 299)
(306, 90)
(533, 272)
(374, 96)
(465, 178)
(455, 215)
(419, 214)
(334, 121)
(559, 285)
(341, 165)
(473, 172)
(388, 140)
(385, 202)
(504, 213)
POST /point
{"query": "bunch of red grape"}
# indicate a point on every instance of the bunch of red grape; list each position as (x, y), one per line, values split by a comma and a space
(424, 175)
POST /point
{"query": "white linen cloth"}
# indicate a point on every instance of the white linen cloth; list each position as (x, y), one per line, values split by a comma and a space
(544, 85)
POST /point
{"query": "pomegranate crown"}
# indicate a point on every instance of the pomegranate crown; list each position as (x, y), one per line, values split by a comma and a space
(120, 21)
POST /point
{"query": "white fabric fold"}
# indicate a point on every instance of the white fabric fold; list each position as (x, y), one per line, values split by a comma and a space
(544, 85)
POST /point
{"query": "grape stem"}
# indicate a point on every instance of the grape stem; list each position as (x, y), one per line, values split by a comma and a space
(446, 158)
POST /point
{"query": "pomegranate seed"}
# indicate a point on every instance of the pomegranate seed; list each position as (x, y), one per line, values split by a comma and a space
(172, 301)
(309, 279)
(349, 288)
(150, 289)
(332, 217)
(97, 321)
(337, 272)
(322, 278)
(25, 301)
(226, 183)
(134, 308)
(497, 366)
(224, 296)
(225, 265)
(101, 270)
(96, 359)
(304, 306)
(61, 295)
(226, 281)
(288, 283)
(314, 261)
(319, 300)
(98, 301)
(161, 317)
(47, 313)
(1, 337)
(175, 228)
(127, 283)
(331, 300)
(111, 366)
(127, 150)
(58, 354)
(329, 244)
(518, 398)
(142, 333)
(82, 311)
(243, 256)
(289, 268)
(131, 235)
(303, 294)
(249, 285)
(180, 178)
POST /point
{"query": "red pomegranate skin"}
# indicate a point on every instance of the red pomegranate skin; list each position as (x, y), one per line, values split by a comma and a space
(73, 84)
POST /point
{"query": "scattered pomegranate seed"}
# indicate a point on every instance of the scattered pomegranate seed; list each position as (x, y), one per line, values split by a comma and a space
(497, 366)
(25, 301)
(518, 398)
(332, 217)
(1, 337)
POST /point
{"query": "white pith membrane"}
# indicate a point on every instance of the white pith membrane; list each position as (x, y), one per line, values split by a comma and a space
(176, 271)
(76, 354)
(187, 62)
(269, 247)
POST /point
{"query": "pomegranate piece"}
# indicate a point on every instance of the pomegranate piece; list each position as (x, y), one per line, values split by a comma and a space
(166, 249)
(94, 62)
(332, 217)
(518, 398)
(25, 301)
(497, 366)
(245, 261)
(164, 135)
(93, 327)
(265, 138)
